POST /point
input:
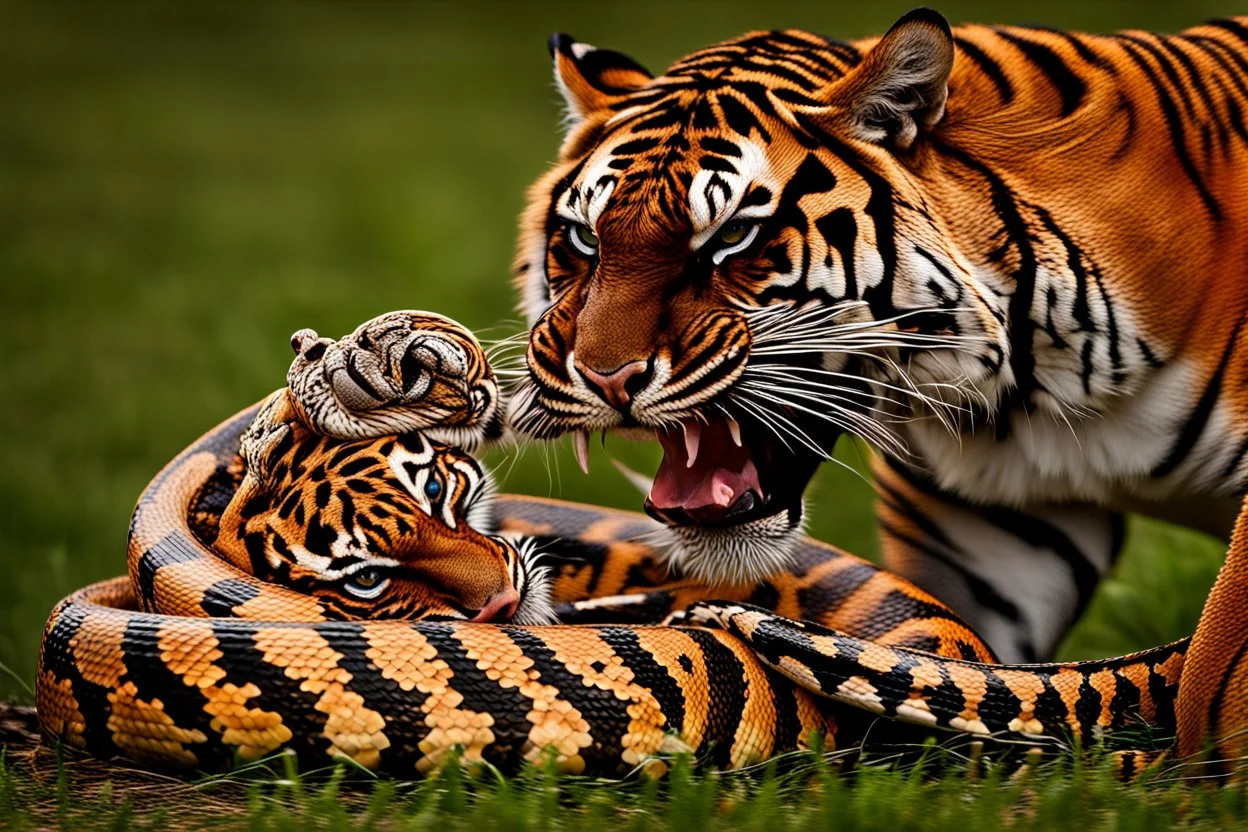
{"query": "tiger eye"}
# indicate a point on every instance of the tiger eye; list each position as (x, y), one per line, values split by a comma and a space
(367, 584)
(367, 579)
(732, 233)
(583, 239)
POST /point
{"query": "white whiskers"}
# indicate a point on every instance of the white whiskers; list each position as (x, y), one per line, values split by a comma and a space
(867, 404)
(533, 581)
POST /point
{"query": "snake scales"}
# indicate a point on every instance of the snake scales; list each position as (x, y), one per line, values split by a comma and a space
(246, 626)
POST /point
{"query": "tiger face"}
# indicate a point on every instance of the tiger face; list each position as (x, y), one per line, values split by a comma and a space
(737, 258)
(395, 527)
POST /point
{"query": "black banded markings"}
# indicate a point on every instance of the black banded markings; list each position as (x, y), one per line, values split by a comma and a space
(605, 713)
(834, 665)
(244, 662)
(153, 680)
(1124, 706)
(1040, 534)
(649, 673)
(1069, 86)
(1175, 124)
(1017, 236)
(989, 67)
(787, 732)
(935, 543)
(896, 609)
(726, 705)
(1161, 689)
(839, 230)
(1194, 425)
(1081, 308)
(880, 210)
(57, 659)
(812, 176)
(405, 724)
(1233, 668)
(507, 706)
(222, 598)
(171, 549)
(831, 593)
(1087, 708)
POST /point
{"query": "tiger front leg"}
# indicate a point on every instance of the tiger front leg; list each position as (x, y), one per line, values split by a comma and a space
(1019, 577)
(267, 434)
(400, 372)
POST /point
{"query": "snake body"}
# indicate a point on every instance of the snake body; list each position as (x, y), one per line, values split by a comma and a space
(193, 661)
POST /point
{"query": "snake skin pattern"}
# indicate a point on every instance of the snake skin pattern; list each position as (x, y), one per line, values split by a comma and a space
(645, 663)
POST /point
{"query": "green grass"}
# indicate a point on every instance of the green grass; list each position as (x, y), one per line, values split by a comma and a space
(804, 792)
(184, 186)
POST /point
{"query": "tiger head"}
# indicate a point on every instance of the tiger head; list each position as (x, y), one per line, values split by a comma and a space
(737, 258)
(394, 527)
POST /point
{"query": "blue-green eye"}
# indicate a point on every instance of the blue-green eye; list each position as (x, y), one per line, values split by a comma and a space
(584, 240)
(433, 489)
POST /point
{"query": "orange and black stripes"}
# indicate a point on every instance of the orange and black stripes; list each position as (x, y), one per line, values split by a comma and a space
(290, 548)
(1007, 257)
(1084, 700)
(401, 696)
(209, 655)
(171, 690)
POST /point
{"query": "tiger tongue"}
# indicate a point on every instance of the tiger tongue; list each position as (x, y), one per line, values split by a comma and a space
(721, 471)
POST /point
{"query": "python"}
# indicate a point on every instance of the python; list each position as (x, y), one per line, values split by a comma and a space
(257, 551)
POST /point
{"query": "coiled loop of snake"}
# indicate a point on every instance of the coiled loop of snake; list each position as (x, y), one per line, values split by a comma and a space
(193, 661)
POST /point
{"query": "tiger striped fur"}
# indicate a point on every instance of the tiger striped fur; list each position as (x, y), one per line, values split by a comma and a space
(1011, 259)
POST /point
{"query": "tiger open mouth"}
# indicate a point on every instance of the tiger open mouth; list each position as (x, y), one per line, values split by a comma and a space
(719, 473)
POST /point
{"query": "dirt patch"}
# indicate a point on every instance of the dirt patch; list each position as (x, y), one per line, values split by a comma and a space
(59, 786)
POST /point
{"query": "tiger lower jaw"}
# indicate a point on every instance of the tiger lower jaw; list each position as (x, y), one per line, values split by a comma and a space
(742, 554)
(731, 496)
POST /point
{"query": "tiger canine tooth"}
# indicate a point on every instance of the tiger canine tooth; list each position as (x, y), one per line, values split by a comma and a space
(693, 436)
(734, 429)
(639, 480)
(580, 447)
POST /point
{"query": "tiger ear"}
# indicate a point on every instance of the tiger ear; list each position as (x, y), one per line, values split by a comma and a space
(591, 79)
(899, 88)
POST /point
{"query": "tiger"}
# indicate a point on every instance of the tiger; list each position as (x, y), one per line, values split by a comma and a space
(353, 484)
(397, 527)
(1010, 259)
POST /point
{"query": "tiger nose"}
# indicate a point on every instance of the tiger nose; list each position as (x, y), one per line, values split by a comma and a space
(502, 605)
(617, 387)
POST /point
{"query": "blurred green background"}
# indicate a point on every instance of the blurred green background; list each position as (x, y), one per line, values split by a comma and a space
(182, 186)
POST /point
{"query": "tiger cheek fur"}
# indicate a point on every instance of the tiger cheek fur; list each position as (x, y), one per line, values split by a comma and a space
(401, 513)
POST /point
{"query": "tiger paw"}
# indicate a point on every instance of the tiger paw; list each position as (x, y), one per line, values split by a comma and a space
(400, 372)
